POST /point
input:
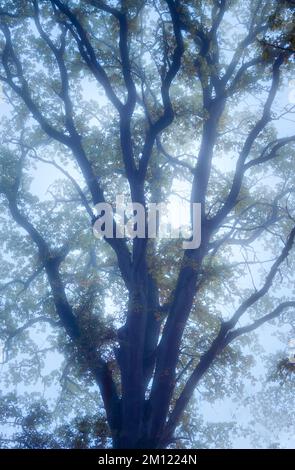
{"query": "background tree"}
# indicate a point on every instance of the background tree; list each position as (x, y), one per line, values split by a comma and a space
(150, 99)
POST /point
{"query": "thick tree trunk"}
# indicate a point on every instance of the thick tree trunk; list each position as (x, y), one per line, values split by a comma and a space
(139, 443)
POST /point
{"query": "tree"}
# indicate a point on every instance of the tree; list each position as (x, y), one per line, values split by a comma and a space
(170, 90)
(284, 39)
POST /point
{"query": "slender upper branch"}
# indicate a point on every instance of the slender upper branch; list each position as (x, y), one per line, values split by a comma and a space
(231, 199)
